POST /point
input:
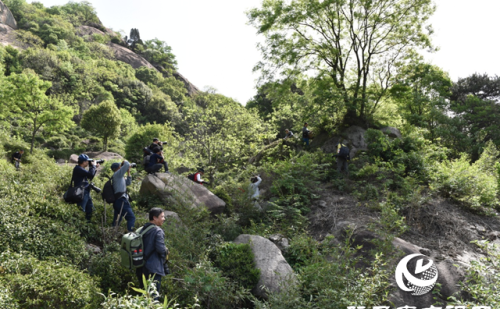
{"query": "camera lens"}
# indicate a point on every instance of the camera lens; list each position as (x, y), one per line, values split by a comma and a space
(133, 165)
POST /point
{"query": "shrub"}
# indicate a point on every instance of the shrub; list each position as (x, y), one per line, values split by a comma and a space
(47, 284)
(237, 262)
(113, 276)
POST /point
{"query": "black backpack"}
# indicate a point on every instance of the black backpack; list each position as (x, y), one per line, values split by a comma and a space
(108, 192)
(343, 152)
(146, 151)
(191, 176)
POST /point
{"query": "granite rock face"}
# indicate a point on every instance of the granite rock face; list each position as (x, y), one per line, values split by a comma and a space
(6, 16)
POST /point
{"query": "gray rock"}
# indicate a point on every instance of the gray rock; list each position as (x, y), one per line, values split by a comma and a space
(83, 31)
(192, 89)
(60, 161)
(6, 16)
(353, 136)
(480, 228)
(73, 158)
(280, 241)
(493, 235)
(275, 273)
(182, 170)
(392, 132)
(182, 191)
(8, 36)
(93, 248)
(126, 55)
(425, 251)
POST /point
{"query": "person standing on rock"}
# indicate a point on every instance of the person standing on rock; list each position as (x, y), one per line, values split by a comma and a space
(82, 176)
(254, 192)
(197, 176)
(121, 206)
(157, 144)
(305, 134)
(155, 251)
(16, 158)
(155, 162)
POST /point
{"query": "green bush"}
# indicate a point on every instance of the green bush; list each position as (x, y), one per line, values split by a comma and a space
(465, 182)
(47, 284)
(237, 262)
(144, 137)
(113, 276)
(7, 300)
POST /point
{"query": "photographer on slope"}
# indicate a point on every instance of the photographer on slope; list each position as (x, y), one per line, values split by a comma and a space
(82, 176)
(157, 144)
(122, 206)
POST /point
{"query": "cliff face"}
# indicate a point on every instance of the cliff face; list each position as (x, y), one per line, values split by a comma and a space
(6, 16)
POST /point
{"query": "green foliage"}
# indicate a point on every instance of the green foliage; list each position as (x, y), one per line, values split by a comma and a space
(143, 137)
(46, 284)
(236, 261)
(466, 183)
(103, 120)
(30, 106)
(107, 266)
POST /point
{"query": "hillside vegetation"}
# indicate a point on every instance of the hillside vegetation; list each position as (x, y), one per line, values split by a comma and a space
(63, 91)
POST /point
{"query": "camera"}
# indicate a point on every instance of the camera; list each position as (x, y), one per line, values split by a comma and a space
(97, 161)
(133, 165)
(93, 187)
(164, 143)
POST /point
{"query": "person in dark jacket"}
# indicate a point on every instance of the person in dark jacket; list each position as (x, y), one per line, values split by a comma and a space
(16, 158)
(305, 134)
(155, 251)
(82, 176)
(155, 162)
(157, 144)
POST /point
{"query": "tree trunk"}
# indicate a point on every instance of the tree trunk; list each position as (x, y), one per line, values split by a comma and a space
(105, 144)
(33, 136)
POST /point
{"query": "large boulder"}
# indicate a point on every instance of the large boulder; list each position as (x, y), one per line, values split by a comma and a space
(180, 190)
(126, 55)
(8, 36)
(353, 136)
(83, 31)
(6, 16)
(275, 273)
(392, 132)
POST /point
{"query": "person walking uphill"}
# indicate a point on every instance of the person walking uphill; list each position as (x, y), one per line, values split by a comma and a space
(121, 206)
(305, 134)
(343, 157)
(82, 176)
(155, 251)
(16, 158)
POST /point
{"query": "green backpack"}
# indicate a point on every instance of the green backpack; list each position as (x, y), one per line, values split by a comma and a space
(132, 249)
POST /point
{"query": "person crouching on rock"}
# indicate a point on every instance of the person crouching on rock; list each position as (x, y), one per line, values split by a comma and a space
(197, 176)
(158, 145)
(121, 206)
(155, 162)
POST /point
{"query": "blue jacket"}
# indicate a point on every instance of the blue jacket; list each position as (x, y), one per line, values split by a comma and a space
(119, 182)
(154, 159)
(155, 251)
(81, 175)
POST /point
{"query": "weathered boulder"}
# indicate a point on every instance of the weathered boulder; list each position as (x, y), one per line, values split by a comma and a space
(353, 136)
(275, 273)
(97, 155)
(180, 190)
(192, 89)
(87, 30)
(126, 55)
(392, 132)
(8, 36)
(6, 16)
(280, 241)
(73, 158)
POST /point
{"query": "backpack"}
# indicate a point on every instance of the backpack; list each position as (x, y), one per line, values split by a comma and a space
(146, 151)
(343, 152)
(108, 192)
(193, 177)
(132, 248)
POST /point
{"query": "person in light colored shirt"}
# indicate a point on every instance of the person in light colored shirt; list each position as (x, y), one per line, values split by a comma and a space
(254, 192)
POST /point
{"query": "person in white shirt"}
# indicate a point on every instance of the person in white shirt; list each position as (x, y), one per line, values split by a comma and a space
(253, 191)
(197, 176)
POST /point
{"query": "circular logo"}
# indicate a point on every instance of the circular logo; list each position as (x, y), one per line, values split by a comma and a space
(423, 278)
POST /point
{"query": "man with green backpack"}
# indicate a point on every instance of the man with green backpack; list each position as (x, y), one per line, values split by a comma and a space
(145, 250)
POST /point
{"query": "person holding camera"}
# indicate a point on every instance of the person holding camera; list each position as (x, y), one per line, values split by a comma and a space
(254, 192)
(122, 206)
(306, 134)
(157, 144)
(82, 176)
(155, 251)
(155, 162)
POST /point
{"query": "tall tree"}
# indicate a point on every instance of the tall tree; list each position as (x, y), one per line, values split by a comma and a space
(356, 43)
(104, 120)
(31, 107)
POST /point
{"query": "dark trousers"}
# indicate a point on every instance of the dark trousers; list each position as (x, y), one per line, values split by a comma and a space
(342, 165)
(87, 205)
(122, 205)
(143, 271)
(155, 168)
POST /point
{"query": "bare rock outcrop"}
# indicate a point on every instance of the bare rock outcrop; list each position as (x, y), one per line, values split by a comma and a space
(8, 36)
(6, 16)
(192, 89)
(392, 132)
(83, 31)
(180, 190)
(126, 55)
(275, 273)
